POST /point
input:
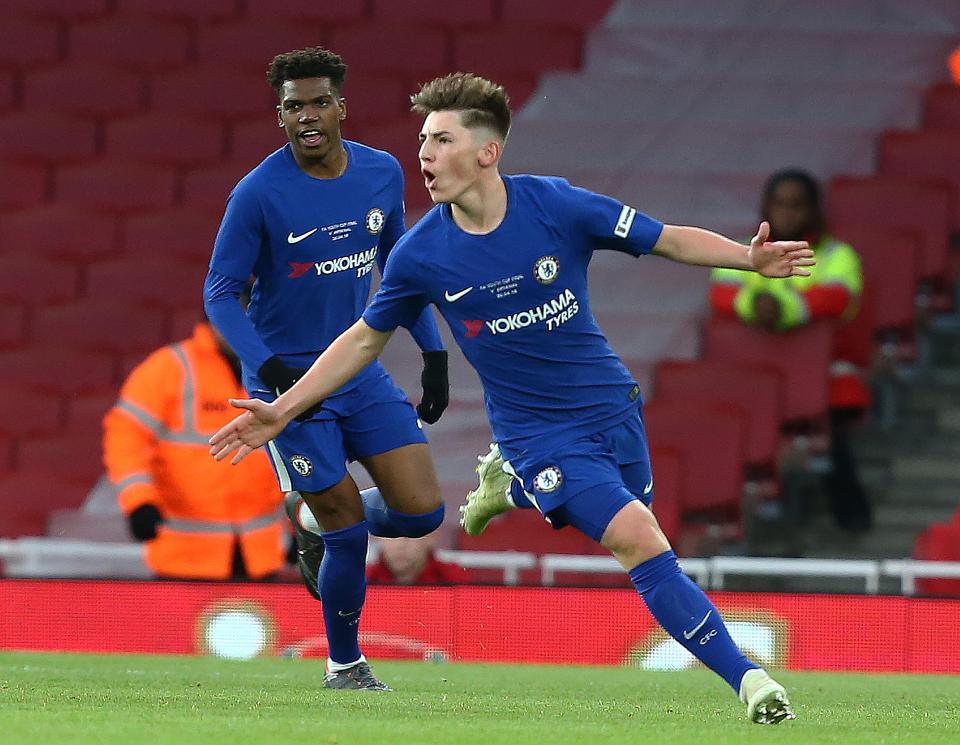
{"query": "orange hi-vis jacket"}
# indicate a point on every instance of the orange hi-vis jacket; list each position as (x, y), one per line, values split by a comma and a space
(155, 449)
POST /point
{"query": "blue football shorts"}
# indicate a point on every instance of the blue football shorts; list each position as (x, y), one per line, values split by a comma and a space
(586, 482)
(370, 418)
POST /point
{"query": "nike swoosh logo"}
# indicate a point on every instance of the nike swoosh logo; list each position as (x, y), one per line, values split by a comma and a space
(453, 297)
(297, 238)
(648, 488)
(692, 632)
(347, 614)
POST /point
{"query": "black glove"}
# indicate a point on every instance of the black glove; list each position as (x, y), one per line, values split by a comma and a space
(436, 386)
(143, 522)
(280, 377)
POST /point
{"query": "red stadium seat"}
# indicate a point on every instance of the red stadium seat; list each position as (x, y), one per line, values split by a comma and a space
(400, 138)
(23, 185)
(803, 356)
(475, 13)
(49, 367)
(101, 325)
(165, 138)
(87, 88)
(19, 139)
(208, 188)
(546, 13)
(31, 279)
(208, 10)
(116, 186)
(250, 44)
(756, 388)
(898, 203)
(8, 89)
(137, 43)
(65, 9)
(72, 457)
(217, 90)
(296, 10)
(891, 270)
(712, 441)
(6, 456)
(85, 413)
(933, 155)
(182, 323)
(60, 231)
(493, 52)
(32, 413)
(13, 331)
(25, 42)
(526, 530)
(522, 531)
(668, 498)
(147, 280)
(942, 107)
(253, 139)
(375, 98)
(179, 234)
(519, 87)
(939, 542)
(854, 339)
(394, 48)
(27, 497)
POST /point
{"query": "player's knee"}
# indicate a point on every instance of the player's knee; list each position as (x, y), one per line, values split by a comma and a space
(332, 513)
(634, 536)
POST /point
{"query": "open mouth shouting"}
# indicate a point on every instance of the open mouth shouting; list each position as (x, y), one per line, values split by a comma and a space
(311, 137)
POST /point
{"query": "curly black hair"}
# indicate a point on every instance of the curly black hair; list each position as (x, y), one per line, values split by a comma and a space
(312, 62)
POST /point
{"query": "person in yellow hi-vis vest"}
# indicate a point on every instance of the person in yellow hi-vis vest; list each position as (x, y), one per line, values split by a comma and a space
(199, 519)
(792, 205)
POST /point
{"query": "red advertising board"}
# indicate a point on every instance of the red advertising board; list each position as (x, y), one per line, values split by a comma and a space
(489, 624)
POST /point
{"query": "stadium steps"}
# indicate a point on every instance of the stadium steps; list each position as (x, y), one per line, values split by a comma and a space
(915, 465)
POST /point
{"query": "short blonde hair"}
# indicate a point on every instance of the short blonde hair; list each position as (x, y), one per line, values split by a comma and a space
(482, 102)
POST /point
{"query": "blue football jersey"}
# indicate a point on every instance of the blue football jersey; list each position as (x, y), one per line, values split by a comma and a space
(516, 301)
(312, 245)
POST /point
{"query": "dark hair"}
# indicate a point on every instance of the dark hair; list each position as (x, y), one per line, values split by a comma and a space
(482, 102)
(811, 188)
(312, 62)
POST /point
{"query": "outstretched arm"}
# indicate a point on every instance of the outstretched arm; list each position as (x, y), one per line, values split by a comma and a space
(352, 351)
(704, 248)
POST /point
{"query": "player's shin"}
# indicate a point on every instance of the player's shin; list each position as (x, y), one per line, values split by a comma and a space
(685, 612)
(342, 583)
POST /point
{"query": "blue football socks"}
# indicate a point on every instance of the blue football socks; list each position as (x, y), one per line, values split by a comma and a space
(686, 613)
(386, 522)
(343, 585)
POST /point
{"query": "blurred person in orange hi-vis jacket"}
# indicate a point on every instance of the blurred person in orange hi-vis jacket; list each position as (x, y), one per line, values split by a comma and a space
(793, 206)
(198, 519)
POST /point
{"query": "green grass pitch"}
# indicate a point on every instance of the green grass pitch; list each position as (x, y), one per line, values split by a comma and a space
(79, 699)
